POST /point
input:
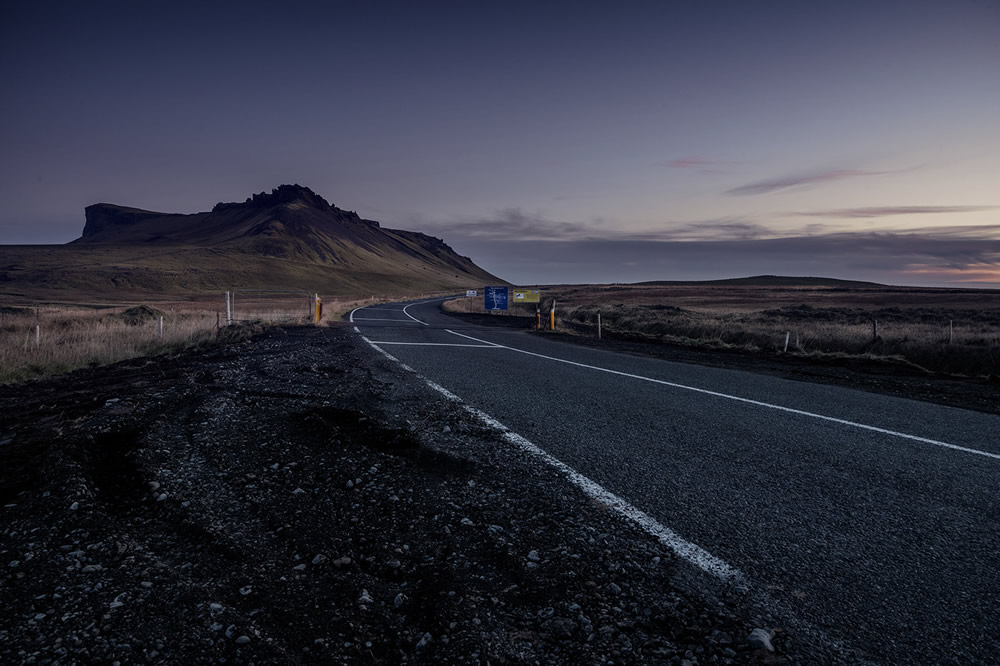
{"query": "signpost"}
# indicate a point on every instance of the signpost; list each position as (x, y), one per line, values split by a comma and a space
(471, 293)
(527, 296)
(495, 298)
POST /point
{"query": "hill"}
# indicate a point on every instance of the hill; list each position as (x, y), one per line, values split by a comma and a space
(765, 281)
(290, 238)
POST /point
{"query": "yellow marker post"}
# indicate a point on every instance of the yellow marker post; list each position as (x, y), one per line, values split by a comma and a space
(319, 307)
(552, 317)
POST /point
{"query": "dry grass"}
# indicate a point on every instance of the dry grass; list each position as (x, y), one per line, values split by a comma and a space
(37, 342)
(822, 323)
(45, 340)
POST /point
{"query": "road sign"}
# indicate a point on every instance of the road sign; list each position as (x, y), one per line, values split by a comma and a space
(471, 293)
(527, 296)
(495, 298)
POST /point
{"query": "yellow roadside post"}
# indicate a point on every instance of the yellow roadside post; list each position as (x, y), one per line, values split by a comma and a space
(319, 307)
(552, 317)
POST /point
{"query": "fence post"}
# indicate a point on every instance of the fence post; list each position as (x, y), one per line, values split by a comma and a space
(951, 331)
(159, 328)
(38, 335)
(788, 334)
(874, 329)
(598, 325)
(229, 311)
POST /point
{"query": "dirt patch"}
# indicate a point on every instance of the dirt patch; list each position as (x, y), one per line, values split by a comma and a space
(139, 314)
(295, 498)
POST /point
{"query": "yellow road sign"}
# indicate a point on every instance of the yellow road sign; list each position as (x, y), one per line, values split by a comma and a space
(527, 296)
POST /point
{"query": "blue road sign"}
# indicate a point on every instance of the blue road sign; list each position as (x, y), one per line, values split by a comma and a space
(495, 298)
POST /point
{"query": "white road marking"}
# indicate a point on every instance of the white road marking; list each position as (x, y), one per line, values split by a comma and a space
(749, 401)
(684, 549)
(433, 344)
(352, 318)
(420, 303)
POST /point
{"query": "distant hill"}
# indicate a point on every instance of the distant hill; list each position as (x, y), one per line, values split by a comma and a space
(766, 281)
(290, 238)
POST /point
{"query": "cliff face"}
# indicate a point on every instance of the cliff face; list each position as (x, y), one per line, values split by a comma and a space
(103, 218)
(290, 235)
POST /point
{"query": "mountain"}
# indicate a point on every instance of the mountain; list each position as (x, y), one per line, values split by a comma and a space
(289, 238)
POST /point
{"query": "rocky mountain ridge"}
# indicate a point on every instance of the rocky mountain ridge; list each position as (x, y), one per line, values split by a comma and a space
(290, 237)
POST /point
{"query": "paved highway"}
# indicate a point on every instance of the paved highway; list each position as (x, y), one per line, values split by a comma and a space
(872, 520)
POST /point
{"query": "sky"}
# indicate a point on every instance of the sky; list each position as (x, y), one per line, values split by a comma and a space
(553, 142)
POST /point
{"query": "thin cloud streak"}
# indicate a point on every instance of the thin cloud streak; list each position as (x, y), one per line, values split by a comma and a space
(707, 230)
(889, 211)
(776, 184)
(510, 224)
(694, 162)
(514, 224)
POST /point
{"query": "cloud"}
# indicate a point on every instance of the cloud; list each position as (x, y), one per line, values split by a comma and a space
(776, 184)
(891, 258)
(692, 163)
(716, 229)
(699, 164)
(887, 211)
(511, 224)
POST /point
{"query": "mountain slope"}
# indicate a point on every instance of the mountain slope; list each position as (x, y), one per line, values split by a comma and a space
(290, 238)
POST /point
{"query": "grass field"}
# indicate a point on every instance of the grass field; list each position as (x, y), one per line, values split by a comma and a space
(51, 339)
(952, 331)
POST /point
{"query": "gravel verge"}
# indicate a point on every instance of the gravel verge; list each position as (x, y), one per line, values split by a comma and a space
(298, 498)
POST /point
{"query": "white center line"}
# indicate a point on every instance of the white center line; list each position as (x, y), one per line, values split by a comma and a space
(749, 401)
(398, 321)
(420, 303)
(433, 344)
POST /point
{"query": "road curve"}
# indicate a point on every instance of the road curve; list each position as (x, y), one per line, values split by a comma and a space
(871, 520)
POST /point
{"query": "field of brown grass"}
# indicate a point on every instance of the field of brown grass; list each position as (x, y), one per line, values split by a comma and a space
(45, 340)
(952, 331)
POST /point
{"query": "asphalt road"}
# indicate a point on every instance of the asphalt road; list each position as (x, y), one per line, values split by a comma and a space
(871, 520)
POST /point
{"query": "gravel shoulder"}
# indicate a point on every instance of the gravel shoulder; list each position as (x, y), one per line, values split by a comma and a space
(298, 498)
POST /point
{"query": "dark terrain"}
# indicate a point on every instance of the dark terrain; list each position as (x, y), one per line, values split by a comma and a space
(288, 239)
(296, 498)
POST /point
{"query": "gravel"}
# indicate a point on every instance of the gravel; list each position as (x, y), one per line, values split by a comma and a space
(322, 506)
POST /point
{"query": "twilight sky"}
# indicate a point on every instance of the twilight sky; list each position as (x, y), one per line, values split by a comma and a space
(550, 141)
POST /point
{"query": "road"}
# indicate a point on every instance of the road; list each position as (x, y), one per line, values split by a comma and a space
(871, 520)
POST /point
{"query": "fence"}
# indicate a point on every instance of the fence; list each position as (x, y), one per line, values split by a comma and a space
(47, 340)
(244, 305)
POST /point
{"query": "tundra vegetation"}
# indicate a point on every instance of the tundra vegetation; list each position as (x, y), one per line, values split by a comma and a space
(950, 331)
(38, 341)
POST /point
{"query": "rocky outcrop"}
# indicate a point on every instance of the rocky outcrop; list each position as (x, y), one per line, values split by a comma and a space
(106, 218)
(287, 238)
